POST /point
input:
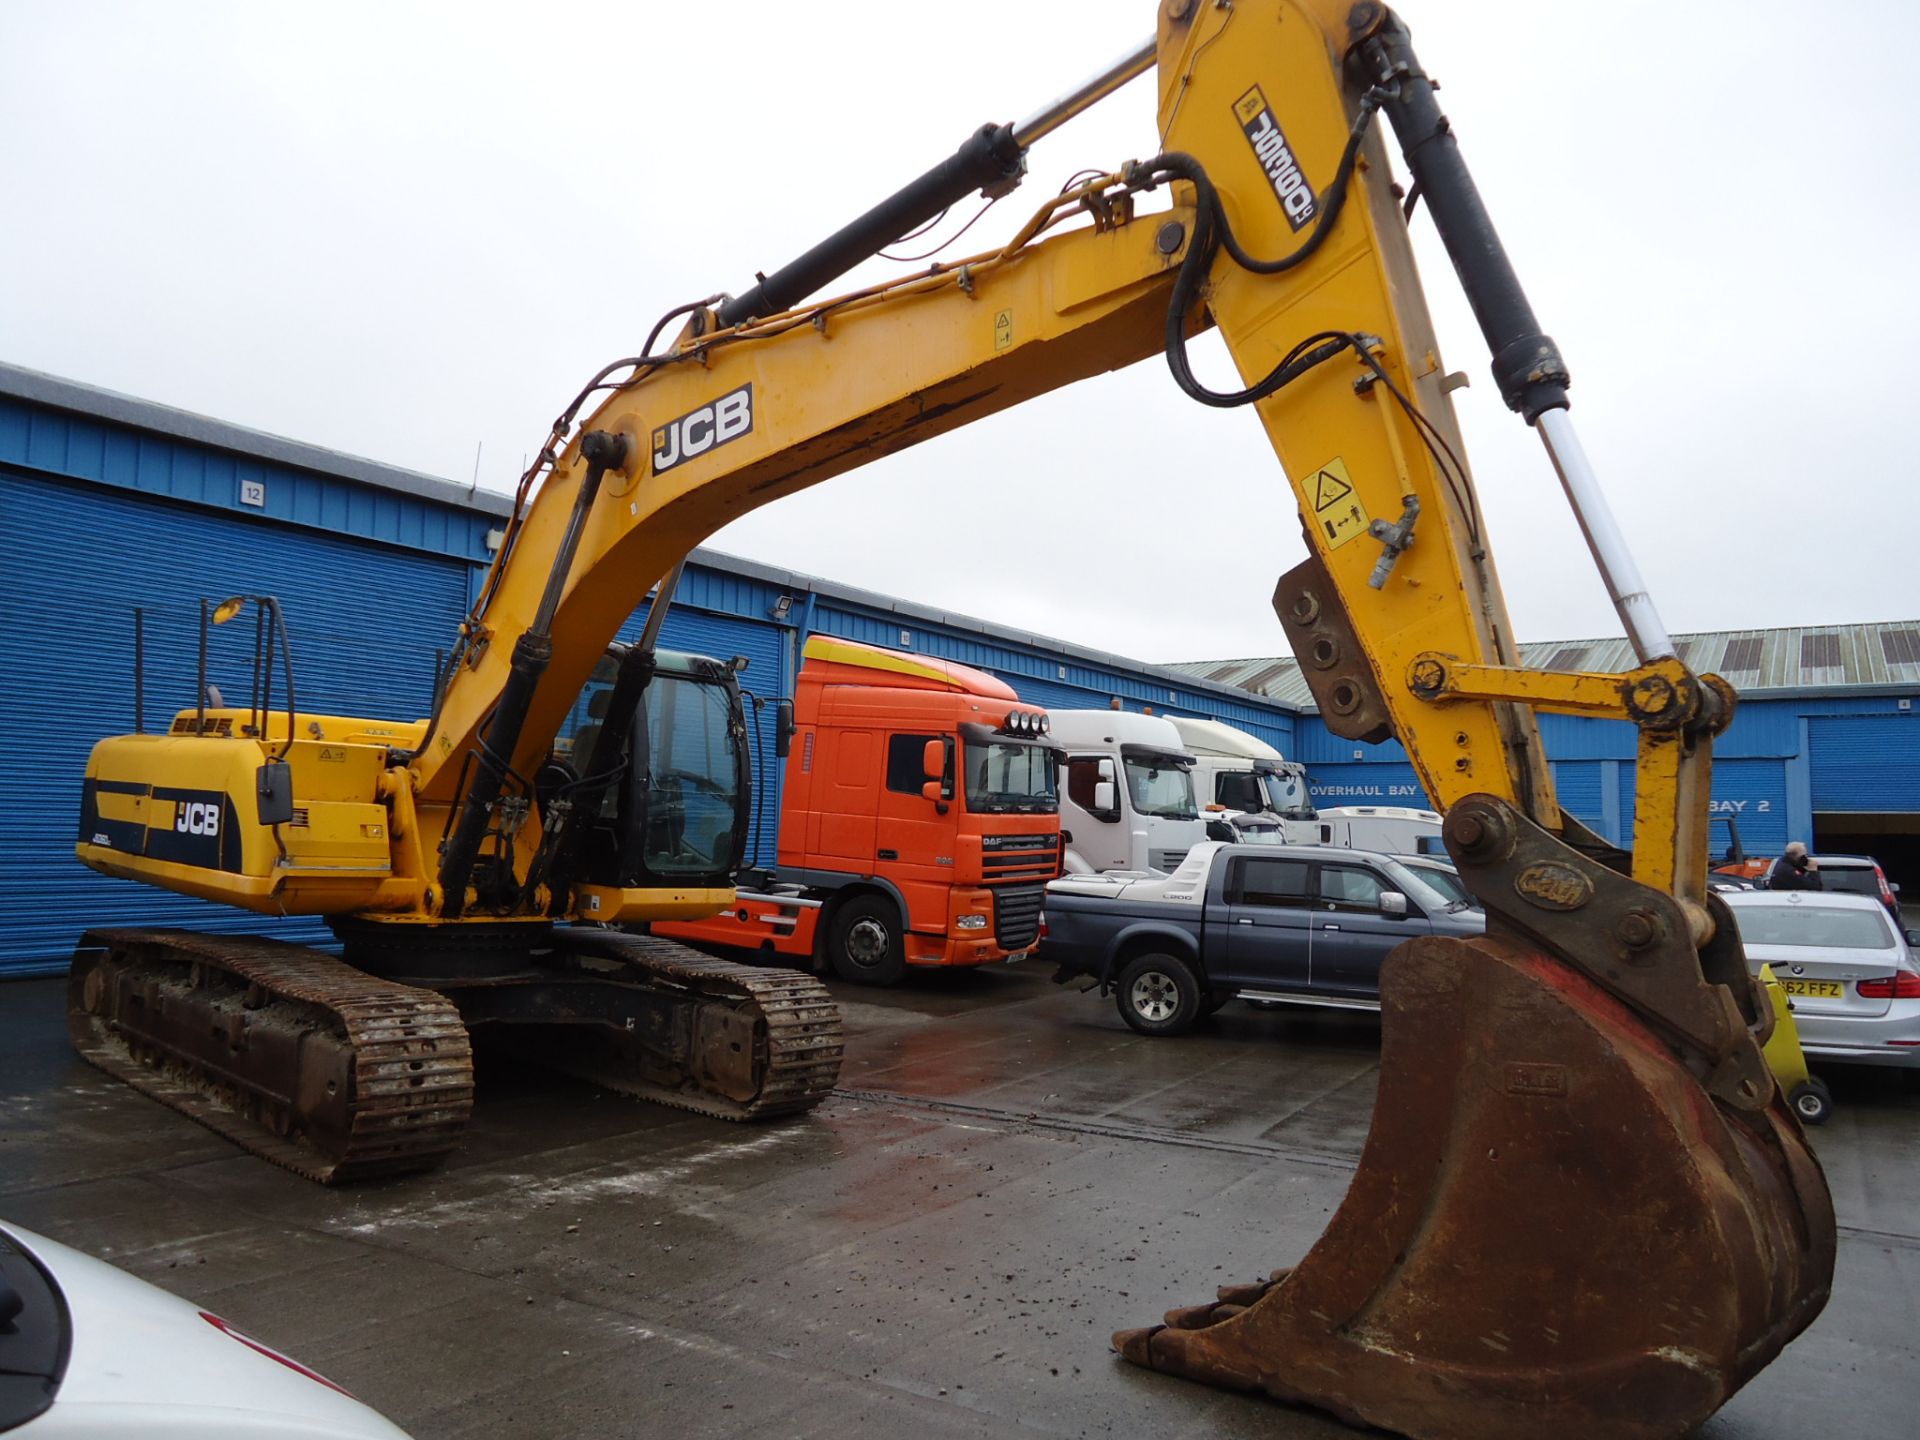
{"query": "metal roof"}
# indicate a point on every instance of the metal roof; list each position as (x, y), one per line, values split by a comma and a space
(19, 383)
(1799, 659)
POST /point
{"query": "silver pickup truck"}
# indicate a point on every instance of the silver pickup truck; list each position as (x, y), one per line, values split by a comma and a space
(1296, 924)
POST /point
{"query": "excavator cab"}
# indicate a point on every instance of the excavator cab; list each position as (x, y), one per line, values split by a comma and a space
(653, 762)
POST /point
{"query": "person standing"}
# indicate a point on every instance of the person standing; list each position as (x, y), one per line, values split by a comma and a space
(1794, 870)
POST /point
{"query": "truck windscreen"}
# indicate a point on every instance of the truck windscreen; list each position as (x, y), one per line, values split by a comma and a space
(1286, 795)
(1010, 778)
(1159, 786)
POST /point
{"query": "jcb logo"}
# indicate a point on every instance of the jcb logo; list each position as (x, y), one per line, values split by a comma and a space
(707, 428)
(192, 817)
(1276, 157)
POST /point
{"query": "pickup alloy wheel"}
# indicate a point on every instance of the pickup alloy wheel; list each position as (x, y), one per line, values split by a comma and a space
(1158, 995)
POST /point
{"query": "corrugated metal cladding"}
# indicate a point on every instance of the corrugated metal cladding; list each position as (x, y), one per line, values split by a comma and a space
(362, 618)
(1581, 788)
(1867, 763)
(78, 447)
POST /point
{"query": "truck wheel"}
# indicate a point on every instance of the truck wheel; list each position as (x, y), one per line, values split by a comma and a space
(864, 945)
(1158, 995)
(1811, 1101)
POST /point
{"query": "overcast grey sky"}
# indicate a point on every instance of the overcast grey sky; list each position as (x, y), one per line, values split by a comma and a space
(407, 230)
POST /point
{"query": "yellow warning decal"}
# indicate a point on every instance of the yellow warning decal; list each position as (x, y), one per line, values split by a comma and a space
(1338, 513)
(1002, 329)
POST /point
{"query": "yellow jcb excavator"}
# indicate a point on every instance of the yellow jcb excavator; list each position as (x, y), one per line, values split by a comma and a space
(1583, 1209)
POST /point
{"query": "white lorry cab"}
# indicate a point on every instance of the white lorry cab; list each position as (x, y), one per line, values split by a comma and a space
(1127, 798)
(1237, 772)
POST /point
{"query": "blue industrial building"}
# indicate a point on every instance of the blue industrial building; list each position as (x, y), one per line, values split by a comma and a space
(119, 517)
(1824, 748)
(116, 513)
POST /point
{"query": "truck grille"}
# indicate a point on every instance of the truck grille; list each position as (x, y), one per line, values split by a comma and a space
(1013, 865)
(1016, 915)
(1167, 860)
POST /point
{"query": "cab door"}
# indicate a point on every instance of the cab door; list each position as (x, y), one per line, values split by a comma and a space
(1100, 837)
(909, 830)
(1352, 933)
(1268, 942)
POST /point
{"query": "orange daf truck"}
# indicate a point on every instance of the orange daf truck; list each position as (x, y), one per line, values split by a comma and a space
(919, 821)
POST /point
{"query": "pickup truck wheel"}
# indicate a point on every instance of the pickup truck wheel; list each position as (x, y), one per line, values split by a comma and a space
(1158, 995)
(864, 945)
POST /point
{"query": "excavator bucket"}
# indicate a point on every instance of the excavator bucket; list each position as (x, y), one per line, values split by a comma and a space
(1554, 1229)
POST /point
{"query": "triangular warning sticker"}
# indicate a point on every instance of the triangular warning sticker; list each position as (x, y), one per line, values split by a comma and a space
(1328, 488)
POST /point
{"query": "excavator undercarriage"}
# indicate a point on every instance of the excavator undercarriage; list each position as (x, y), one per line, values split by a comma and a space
(352, 1071)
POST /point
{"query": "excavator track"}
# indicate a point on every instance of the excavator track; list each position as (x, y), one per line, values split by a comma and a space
(772, 1038)
(305, 1061)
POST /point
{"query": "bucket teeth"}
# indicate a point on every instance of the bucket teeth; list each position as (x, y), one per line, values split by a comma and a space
(1190, 1317)
(1243, 1295)
(1137, 1345)
(1554, 1230)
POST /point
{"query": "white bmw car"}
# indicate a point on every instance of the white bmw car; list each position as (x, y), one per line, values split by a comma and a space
(87, 1352)
(1850, 971)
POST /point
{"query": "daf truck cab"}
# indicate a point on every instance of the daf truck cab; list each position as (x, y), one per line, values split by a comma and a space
(1128, 803)
(919, 820)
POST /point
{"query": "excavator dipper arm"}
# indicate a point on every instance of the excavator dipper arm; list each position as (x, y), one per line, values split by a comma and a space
(1584, 1209)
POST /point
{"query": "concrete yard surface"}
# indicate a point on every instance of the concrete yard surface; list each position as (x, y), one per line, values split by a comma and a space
(1006, 1175)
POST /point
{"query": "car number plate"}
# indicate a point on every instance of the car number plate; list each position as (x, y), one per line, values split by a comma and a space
(1815, 989)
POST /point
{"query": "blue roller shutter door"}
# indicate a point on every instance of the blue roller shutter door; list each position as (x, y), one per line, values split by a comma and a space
(1577, 784)
(1867, 763)
(364, 620)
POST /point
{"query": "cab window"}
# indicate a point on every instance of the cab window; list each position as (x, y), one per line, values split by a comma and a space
(1083, 773)
(1238, 790)
(906, 762)
(1256, 880)
(1350, 887)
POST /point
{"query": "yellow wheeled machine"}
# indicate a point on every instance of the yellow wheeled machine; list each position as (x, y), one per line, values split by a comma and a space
(1585, 1209)
(1809, 1097)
